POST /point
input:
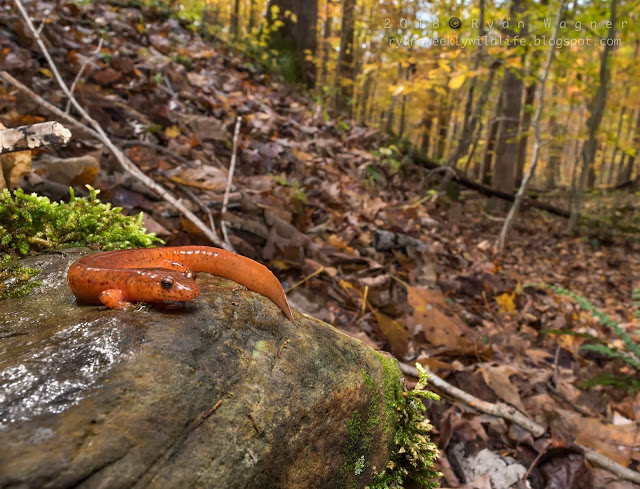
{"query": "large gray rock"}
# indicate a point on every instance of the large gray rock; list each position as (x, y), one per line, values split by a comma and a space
(91, 397)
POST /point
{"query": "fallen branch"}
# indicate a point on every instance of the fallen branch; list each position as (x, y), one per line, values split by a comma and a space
(33, 136)
(510, 413)
(100, 134)
(232, 168)
(485, 189)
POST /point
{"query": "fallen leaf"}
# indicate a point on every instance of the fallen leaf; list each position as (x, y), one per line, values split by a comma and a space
(497, 378)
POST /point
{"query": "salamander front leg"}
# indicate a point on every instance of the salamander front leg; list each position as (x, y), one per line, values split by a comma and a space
(112, 298)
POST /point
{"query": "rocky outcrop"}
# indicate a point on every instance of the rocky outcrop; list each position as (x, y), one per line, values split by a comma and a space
(219, 392)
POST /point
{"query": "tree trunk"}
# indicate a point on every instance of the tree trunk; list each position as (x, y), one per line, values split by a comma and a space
(485, 170)
(326, 45)
(523, 140)
(468, 106)
(503, 177)
(403, 108)
(537, 144)
(596, 110)
(470, 122)
(345, 72)
(427, 124)
(235, 20)
(612, 164)
(364, 98)
(444, 113)
(293, 39)
(627, 170)
(253, 16)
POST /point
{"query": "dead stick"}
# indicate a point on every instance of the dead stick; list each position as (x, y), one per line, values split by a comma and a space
(297, 284)
(507, 412)
(85, 63)
(253, 422)
(33, 136)
(286, 342)
(232, 168)
(209, 413)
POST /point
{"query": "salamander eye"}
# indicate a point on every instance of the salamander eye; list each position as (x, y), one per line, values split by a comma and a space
(166, 282)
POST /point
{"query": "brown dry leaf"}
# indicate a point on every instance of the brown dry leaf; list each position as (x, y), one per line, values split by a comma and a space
(205, 128)
(620, 443)
(106, 77)
(14, 165)
(354, 294)
(436, 365)
(439, 329)
(205, 177)
(189, 227)
(198, 79)
(301, 155)
(336, 241)
(497, 378)
(539, 355)
(394, 331)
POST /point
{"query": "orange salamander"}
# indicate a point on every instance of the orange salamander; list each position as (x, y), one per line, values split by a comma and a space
(118, 278)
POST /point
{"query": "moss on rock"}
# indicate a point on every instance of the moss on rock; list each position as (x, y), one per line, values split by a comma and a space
(401, 414)
(412, 454)
(32, 223)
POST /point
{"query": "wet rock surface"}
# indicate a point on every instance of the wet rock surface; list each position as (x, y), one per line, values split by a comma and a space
(91, 397)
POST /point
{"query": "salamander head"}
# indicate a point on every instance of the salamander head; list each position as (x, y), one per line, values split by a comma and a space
(161, 284)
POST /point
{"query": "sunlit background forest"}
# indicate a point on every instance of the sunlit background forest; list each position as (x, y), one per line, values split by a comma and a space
(459, 81)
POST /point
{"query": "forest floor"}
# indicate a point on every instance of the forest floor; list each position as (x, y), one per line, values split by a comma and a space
(356, 229)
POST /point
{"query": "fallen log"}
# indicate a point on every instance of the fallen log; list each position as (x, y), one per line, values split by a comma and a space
(485, 189)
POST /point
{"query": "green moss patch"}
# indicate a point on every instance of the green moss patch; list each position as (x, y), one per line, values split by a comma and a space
(401, 414)
(31, 223)
(412, 454)
(15, 280)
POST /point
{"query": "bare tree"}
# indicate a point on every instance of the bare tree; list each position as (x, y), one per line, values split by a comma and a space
(507, 142)
(296, 37)
(345, 73)
(235, 20)
(596, 111)
(326, 45)
(537, 142)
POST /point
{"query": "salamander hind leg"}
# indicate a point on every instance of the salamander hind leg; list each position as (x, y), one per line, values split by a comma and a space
(112, 298)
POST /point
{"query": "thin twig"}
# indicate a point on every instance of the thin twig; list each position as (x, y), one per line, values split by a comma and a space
(100, 134)
(209, 413)
(282, 347)
(512, 414)
(297, 284)
(232, 168)
(85, 63)
(544, 450)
